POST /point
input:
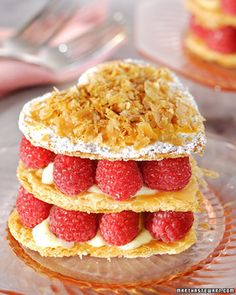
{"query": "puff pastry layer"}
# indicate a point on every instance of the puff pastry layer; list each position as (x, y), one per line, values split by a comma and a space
(24, 236)
(189, 199)
(90, 121)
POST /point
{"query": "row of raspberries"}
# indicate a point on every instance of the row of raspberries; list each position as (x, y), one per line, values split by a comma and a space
(115, 228)
(222, 39)
(119, 179)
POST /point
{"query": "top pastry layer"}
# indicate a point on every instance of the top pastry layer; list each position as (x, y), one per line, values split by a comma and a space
(209, 13)
(119, 110)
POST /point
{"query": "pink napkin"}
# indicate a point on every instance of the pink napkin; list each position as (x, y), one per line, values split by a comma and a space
(15, 74)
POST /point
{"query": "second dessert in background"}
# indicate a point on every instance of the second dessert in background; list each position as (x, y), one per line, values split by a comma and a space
(212, 31)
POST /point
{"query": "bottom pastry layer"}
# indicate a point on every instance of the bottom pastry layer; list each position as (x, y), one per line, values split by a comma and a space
(199, 48)
(25, 237)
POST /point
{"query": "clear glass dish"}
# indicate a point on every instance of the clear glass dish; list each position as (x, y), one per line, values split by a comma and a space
(209, 263)
(159, 31)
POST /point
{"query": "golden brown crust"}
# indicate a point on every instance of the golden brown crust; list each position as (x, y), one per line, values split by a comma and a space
(123, 104)
(210, 18)
(125, 110)
(199, 48)
(189, 199)
(24, 236)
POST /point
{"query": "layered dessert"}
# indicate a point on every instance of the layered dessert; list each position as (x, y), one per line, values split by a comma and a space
(212, 31)
(106, 166)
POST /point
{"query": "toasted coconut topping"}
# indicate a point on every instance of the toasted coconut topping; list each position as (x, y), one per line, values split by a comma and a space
(121, 104)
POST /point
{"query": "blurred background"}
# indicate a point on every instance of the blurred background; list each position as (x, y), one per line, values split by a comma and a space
(138, 30)
(49, 43)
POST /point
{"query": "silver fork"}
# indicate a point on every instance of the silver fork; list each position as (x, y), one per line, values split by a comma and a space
(42, 28)
(66, 56)
(80, 50)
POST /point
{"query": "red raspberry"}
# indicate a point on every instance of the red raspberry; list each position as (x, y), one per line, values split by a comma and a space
(73, 175)
(72, 226)
(169, 226)
(31, 210)
(119, 179)
(119, 228)
(33, 156)
(197, 29)
(167, 174)
(229, 6)
(222, 40)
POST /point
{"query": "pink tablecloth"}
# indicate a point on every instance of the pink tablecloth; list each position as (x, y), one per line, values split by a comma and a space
(15, 74)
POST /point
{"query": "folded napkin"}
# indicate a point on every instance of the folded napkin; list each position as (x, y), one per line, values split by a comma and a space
(16, 74)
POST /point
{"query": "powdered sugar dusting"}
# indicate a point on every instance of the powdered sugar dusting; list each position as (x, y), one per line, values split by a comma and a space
(63, 145)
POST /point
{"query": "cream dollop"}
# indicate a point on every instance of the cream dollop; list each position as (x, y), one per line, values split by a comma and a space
(97, 241)
(47, 175)
(43, 237)
(142, 238)
(95, 189)
(143, 191)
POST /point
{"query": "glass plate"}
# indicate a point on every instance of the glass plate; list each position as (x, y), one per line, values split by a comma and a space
(209, 263)
(160, 27)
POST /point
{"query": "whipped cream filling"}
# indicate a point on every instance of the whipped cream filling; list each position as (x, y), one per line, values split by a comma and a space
(143, 191)
(144, 237)
(43, 237)
(47, 175)
(47, 178)
(63, 145)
